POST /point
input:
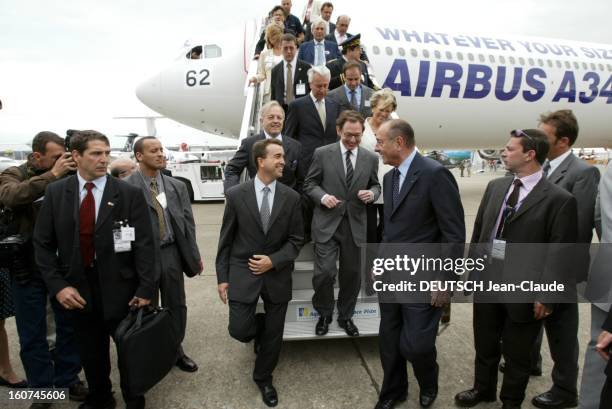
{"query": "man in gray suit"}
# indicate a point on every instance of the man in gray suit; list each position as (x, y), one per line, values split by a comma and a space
(261, 236)
(565, 170)
(172, 219)
(341, 180)
(353, 94)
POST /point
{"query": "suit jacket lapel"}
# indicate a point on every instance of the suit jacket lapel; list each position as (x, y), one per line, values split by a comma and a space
(537, 194)
(313, 108)
(330, 117)
(360, 164)
(338, 163)
(250, 201)
(173, 201)
(561, 170)
(109, 198)
(140, 179)
(411, 177)
(495, 203)
(277, 205)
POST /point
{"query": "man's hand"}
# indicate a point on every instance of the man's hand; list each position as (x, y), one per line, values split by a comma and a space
(201, 264)
(440, 298)
(366, 196)
(330, 201)
(139, 302)
(259, 264)
(222, 289)
(541, 311)
(252, 81)
(63, 165)
(603, 344)
(70, 299)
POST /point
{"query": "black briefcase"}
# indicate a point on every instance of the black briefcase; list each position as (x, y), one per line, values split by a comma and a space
(146, 347)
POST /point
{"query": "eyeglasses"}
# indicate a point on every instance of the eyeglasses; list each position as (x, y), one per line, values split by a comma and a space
(519, 132)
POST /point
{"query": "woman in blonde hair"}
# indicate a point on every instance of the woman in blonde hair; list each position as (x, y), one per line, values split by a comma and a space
(383, 104)
(268, 59)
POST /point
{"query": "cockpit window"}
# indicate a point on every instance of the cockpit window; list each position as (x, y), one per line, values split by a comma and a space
(207, 51)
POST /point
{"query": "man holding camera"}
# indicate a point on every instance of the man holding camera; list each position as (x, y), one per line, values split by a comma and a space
(21, 190)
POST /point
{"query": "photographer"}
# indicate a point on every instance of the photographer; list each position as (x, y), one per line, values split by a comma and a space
(21, 190)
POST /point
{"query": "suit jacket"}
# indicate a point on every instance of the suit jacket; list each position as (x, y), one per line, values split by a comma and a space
(181, 218)
(547, 215)
(242, 236)
(303, 123)
(244, 159)
(327, 176)
(277, 86)
(307, 51)
(339, 95)
(122, 275)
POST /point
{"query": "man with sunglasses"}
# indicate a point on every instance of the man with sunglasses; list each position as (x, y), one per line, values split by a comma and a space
(518, 209)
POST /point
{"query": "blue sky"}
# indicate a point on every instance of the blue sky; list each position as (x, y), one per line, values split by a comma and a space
(75, 64)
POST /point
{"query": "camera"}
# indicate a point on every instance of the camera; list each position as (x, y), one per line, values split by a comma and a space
(10, 250)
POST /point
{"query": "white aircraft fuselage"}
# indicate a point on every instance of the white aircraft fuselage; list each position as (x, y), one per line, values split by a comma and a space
(458, 91)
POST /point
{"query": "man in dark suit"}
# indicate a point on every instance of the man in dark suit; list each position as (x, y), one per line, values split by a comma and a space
(353, 95)
(524, 208)
(326, 11)
(422, 205)
(318, 51)
(85, 268)
(565, 170)
(289, 79)
(351, 51)
(312, 121)
(342, 179)
(272, 119)
(261, 235)
(172, 219)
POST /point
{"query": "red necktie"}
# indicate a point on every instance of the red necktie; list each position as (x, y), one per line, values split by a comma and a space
(87, 216)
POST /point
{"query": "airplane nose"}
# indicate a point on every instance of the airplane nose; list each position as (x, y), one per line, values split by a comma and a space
(149, 92)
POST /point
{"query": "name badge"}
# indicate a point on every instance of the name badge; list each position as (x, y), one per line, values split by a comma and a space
(367, 103)
(128, 234)
(300, 89)
(121, 246)
(498, 251)
(161, 198)
(326, 52)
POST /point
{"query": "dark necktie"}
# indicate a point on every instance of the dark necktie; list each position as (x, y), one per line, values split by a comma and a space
(395, 186)
(158, 209)
(264, 211)
(546, 169)
(354, 100)
(87, 220)
(349, 169)
(510, 207)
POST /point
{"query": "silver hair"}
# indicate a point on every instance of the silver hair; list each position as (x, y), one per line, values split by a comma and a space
(321, 70)
(269, 105)
(318, 22)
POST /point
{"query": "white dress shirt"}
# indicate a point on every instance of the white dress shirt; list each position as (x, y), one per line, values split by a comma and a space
(97, 191)
(278, 138)
(259, 186)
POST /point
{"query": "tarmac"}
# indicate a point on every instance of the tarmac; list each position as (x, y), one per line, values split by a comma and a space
(325, 373)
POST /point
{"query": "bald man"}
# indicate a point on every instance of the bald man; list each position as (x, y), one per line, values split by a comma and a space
(122, 168)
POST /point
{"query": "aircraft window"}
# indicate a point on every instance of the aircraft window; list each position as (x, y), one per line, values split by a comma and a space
(460, 56)
(492, 59)
(559, 64)
(531, 61)
(502, 59)
(512, 60)
(401, 51)
(609, 67)
(550, 63)
(414, 52)
(437, 54)
(601, 67)
(481, 58)
(376, 50)
(593, 67)
(568, 65)
(471, 57)
(585, 66)
(576, 66)
(195, 53)
(540, 62)
(212, 51)
(521, 61)
(449, 55)
(425, 54)
(389, 50)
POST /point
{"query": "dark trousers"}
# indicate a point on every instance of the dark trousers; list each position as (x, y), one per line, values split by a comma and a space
(375, 217)
(342, 246)
(562, 333)
(492, 324)
(172, 289)
(606, 395)
(408, 333)
(43, 369)
(245, 325)
(93, 334)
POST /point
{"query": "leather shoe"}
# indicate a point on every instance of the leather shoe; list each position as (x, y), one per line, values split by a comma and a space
(322, 325)
(427, 397)
(548, 400)
(269, 395)
(186, 364)
(78, 391)
(472, 397)
(109, 404)
(510, 406)
(388, 403)
(349, 327)
(536, 371)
